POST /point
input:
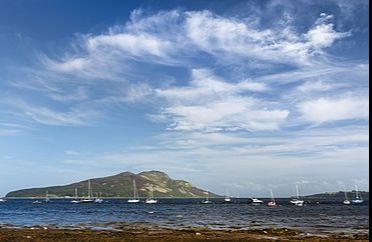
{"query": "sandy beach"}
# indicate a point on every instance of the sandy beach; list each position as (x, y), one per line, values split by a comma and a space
(157, 235)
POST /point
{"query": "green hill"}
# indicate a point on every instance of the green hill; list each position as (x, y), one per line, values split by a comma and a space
(120, 185)
(339, 195)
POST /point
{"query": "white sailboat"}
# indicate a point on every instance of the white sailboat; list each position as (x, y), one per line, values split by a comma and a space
(297, 201)
(227, 198)
(358, 198)
(206, 201)
(2, 200)
(76, 198)
(272, 203)
(150, 199)
(135, 198)
(347, 200)
(88, 199)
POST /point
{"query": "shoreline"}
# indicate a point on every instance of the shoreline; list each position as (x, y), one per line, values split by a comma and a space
(141, 234)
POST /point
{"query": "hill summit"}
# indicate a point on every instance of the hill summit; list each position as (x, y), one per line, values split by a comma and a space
(120, 185)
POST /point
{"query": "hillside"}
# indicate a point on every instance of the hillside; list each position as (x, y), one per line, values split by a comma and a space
(339, 195)
(120, 185)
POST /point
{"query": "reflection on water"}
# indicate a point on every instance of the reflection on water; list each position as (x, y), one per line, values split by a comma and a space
(186, 213)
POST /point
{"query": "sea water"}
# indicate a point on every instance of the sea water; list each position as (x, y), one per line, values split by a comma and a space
(313, 217)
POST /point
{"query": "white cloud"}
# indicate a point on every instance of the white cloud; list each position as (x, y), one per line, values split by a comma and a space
(204, 85)
(72, 152)
(222, 36)
(315, 86)
(323, 35)
(325, 109)
(179, 38)
(47, 116)
(135, 45)
(228, 114)
(209, 103)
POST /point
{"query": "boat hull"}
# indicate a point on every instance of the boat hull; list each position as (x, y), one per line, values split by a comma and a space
(357, 201)
(151, 201)
(298, 203)
(87, 201)
(272, 204)
(133, 201)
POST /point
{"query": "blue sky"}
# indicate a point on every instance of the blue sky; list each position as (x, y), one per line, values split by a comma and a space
(240, 95)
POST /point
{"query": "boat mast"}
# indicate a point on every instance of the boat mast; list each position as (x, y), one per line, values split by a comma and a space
(151, 193)
(272, 196)
(356, 192)
(297, 192)
(135, 193)
(76, 193)
(346, 198)
(89, 189)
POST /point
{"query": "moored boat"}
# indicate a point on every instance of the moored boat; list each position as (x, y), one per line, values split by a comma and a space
(76, 198)
(256, 201)
(347, 200)
(151, 199)
(272, 203)
(206, 201)
(297, 201)
(358, 198)
(135, 198)
(89, 198)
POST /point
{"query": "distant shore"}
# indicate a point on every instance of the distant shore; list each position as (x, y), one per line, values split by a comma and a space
(36, 234)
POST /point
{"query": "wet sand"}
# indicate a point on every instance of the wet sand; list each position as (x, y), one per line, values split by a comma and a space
(157, 235)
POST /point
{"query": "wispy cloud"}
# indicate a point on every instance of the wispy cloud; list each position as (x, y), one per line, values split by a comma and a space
(105, 69)
(176, 38)
(211, 104)
(327, 110)
(47, 116)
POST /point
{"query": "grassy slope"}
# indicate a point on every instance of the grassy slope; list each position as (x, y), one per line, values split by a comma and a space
(120, 185)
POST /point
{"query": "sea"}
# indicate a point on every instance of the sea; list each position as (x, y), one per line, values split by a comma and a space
(114, 214)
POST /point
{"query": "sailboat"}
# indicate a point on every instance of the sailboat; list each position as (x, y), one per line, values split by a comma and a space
(346, 201)
(358, 198)
(2, 200)
(207, 201)
(76, 199)
(227, 198)
(150, 199)
(135, 198)
(272, 203)
(297, 201)
(88, 199)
